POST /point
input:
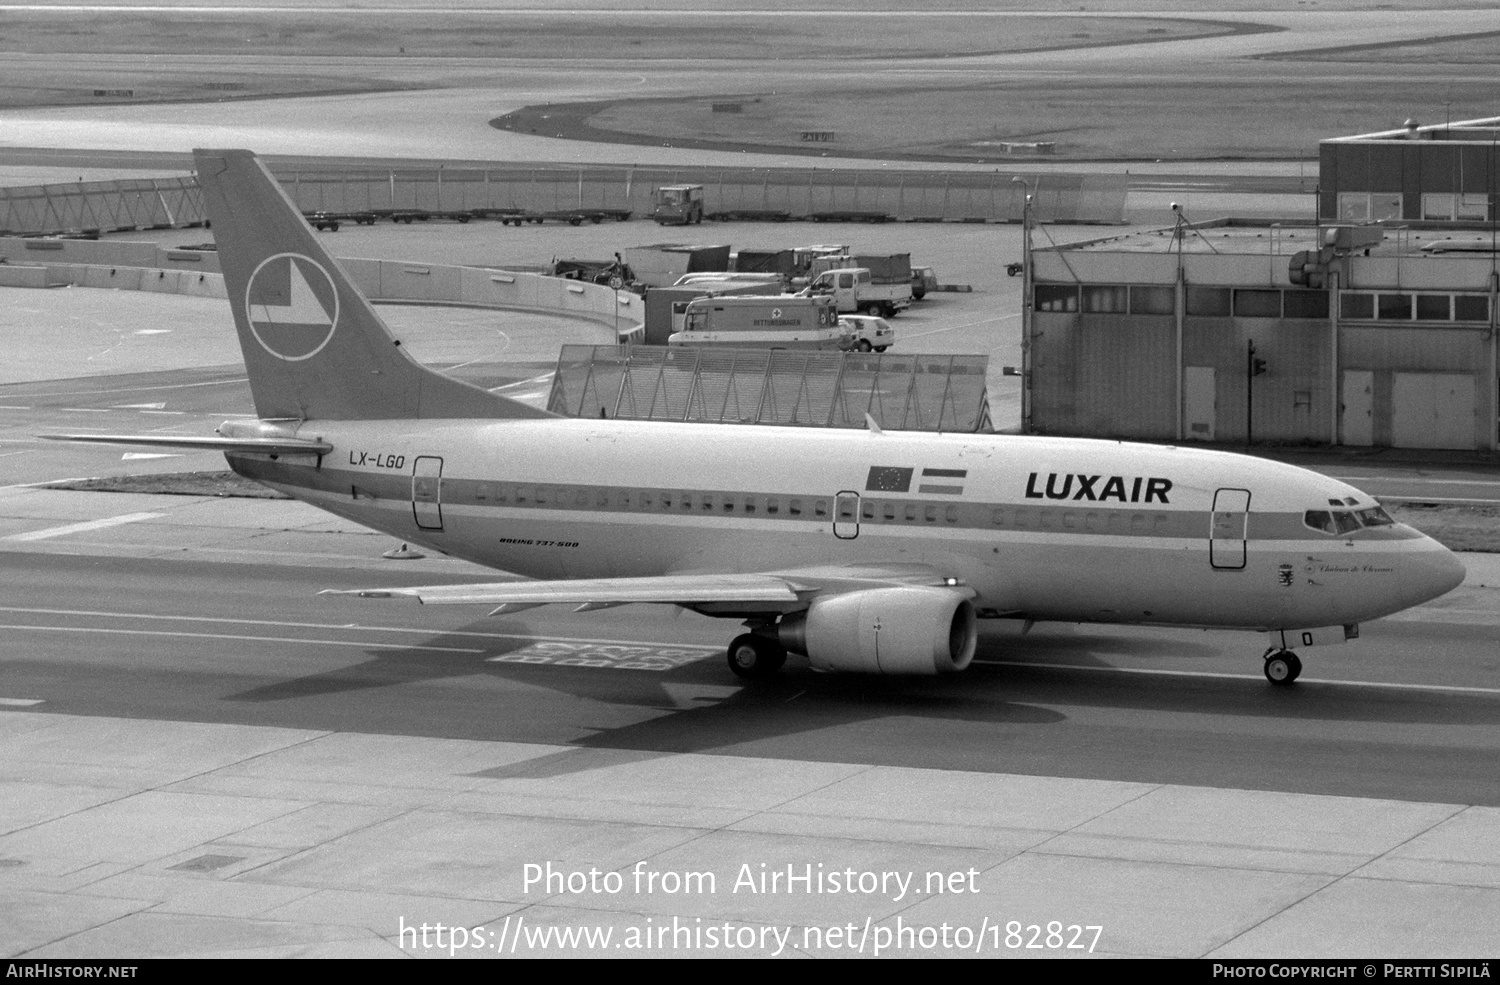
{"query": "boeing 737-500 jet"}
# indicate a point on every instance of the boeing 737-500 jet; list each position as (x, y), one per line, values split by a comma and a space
(863, 550)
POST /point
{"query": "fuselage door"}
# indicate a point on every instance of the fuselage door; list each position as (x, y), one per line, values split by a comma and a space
(1226, 541)
(427, 492)
(846, 515)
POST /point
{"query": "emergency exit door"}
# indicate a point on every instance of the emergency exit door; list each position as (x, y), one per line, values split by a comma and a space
(427, 492)
(1226, 540)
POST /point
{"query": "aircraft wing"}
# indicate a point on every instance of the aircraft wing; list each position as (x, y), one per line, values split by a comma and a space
(792, 586)
(270, 446)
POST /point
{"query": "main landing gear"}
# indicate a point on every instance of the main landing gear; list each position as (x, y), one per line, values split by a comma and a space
(1282, 666)
(753, 657)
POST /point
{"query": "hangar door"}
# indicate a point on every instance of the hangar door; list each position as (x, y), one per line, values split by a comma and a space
(1432, 410)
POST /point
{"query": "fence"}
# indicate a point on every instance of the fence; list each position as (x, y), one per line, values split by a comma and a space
(755, 386)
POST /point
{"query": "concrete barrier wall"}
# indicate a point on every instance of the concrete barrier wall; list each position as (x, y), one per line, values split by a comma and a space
(128, 266)
(13, 275)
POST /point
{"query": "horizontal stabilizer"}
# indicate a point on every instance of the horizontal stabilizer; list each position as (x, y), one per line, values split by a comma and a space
(268, 446)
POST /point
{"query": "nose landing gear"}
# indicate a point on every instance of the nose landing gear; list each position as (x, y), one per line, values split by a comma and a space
(1282, 666)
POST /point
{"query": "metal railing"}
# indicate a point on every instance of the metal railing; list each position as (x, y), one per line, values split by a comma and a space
(781, 387)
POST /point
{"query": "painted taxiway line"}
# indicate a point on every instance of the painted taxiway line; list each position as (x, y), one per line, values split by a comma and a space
(1387, 685)
(21, 702)
(78, 528)
(424, 630)
(241, 638)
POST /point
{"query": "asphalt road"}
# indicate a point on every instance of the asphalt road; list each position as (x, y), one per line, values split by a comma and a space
(185, 641)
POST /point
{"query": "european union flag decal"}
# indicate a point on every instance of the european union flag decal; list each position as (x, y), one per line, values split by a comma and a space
(888, 478)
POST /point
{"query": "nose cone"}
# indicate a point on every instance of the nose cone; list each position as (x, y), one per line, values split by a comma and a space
(1429, 574)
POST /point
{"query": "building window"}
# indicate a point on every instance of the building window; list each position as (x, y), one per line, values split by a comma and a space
(1471, 307)
(1208, 301)
(1369, 206)
(1474, 206)
(1437, 205)
(1306, 304)
(1056, 297)
(1393, 307)
(1434, 307)
(1104, 299)
(1153, 301)
(1356, 306)
(1257, 304)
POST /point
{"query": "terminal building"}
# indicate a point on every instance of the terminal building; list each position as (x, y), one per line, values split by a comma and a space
(1438, 173)
(1283, 333)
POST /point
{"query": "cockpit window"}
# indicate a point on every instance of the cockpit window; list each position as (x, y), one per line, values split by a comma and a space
(1376, 517)
(1340, 521)
(1319, 520)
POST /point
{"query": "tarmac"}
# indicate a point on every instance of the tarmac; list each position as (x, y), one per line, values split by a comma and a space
(139, 838)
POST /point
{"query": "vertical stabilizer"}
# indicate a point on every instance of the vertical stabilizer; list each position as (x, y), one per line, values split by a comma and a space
(314, 347)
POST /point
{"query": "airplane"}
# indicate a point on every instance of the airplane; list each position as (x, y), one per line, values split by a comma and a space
(862, 550)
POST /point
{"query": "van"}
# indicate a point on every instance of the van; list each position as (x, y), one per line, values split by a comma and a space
(781, 321)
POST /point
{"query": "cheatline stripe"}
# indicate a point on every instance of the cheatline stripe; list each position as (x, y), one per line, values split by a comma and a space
(1239, 677)
(78, 528)
(425, 631)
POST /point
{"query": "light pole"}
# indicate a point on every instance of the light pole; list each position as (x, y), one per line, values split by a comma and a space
(1026, 303)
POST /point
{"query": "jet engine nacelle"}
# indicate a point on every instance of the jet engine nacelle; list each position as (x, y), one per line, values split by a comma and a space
(904, 630)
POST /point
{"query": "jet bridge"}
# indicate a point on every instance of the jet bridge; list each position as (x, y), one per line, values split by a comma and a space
(782, 387)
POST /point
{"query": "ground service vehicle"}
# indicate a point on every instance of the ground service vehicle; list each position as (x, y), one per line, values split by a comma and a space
(923, 281)
(678, 205)
(853, 290)
(867, 551)
(780, 321)
(867, 332)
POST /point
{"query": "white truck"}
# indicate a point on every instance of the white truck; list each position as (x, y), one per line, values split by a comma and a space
(853, 290)
(780, 321)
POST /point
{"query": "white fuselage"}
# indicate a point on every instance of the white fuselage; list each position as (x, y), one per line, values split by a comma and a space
(1040, 528)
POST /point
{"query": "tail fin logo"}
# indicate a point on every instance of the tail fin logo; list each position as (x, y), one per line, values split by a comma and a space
(292, 306)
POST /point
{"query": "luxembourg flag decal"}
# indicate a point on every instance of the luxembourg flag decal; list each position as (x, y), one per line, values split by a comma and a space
(292, 306)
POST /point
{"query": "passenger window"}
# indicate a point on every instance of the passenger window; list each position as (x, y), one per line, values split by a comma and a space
(482, 492)
(666, 501)
(601, 497)
(997, 518)
(685, 500)
(524, 495)
(773, 505)
(794, 507)
(541, 495)
(929, 513)
(728, 504)
(868, 510)
(911, 512)
(888, 510)
(951, 514)
(820, 507)
(749, 504)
